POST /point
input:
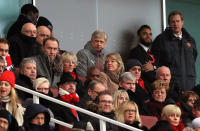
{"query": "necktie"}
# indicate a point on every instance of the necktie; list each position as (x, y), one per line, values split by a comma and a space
(151, 56)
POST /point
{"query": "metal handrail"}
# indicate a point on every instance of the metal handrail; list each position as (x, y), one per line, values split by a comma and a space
(102, 118)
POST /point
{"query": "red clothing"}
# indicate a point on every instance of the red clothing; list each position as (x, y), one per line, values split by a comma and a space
(180, 127)
(141, 83)
(71, 98)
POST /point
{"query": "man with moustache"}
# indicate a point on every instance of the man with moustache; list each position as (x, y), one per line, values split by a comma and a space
(142, 53)
(176, 49)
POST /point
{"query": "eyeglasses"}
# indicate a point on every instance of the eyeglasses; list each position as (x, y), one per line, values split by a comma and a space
(30, 31)
(42, 89)
(69, 61)
(104, 101)
(191, 100)
(130, 111)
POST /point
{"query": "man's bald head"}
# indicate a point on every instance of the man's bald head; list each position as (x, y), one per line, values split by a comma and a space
(42, 33)
(29, 29)
(163, 73)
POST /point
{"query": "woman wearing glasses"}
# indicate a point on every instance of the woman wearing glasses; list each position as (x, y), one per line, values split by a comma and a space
(128, 113)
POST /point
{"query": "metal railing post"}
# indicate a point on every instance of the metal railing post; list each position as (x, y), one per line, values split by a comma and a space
(103, 119)
(102, 125)
(36, 99)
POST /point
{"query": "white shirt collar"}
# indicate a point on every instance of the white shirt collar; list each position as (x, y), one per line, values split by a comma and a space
(144, 47)
(179, 36)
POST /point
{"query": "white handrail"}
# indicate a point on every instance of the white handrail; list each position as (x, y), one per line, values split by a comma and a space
(77, 108)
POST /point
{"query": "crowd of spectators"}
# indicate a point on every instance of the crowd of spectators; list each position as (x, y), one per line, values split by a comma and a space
(157, 81)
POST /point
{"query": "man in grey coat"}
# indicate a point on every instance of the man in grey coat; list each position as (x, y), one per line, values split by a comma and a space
(93, 53)
(49, 63)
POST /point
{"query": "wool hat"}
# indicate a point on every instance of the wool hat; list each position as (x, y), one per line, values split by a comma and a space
(162, 125)
(131, 63)
(196, 123)
(66, 77)
(9, 77)
(13, 125)
(42, 21)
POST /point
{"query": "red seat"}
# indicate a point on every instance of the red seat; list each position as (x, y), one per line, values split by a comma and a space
(148, 121)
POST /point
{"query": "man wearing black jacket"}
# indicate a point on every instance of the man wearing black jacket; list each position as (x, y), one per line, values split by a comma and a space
(176, 49)
(142, 53)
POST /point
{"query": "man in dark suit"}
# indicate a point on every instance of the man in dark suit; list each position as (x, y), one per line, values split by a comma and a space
(142, 53)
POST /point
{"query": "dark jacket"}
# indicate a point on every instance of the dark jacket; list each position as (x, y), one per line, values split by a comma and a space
(89, 57)
(52, 71)
(26, 82)
(140, 54)
(109, 126)
(64, 113)
(136, 125)
(155, 108)
(139, 99)
(187, 115)
(30, 113)
(178, 55)
(21, 47)
(17, 26)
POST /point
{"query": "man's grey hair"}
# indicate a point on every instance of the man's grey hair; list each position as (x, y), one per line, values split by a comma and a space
(127, 76)
(158, 70)
(26, 60)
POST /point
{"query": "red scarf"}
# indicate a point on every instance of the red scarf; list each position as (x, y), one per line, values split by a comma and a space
(73, 75)
(71, 98)
(141, 83)
(180, 127)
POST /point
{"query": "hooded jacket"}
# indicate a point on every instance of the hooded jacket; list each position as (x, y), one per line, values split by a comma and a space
(32, 111)
(89, 57)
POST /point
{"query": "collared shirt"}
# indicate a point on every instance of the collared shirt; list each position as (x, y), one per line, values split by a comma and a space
(144, 47)
(179, 36)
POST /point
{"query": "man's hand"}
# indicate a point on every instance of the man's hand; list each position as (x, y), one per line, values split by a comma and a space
(147, 67)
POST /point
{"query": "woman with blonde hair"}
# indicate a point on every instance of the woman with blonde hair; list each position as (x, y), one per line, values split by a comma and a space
(128, 113)
(70, 62)
(8, 96)
(172, 113)
(120, 96)
(114, 66)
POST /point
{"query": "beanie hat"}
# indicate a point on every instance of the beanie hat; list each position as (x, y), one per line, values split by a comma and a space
(11, 120)
(131, 63)
(42, 21)
(9, 77)
(66, 77)
(196, 123)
